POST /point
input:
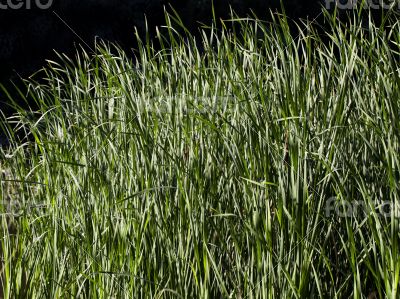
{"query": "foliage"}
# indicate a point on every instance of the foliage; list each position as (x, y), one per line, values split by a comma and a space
(203, 170)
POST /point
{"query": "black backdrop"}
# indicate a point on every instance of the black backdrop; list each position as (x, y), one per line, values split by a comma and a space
(28, 36)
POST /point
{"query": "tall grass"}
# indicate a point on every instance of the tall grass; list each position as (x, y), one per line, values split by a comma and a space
(207, 173)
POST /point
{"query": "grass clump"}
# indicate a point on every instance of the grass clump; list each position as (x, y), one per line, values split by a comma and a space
(211, 173)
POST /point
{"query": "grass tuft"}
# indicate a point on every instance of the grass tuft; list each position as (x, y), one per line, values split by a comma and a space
(219, 167)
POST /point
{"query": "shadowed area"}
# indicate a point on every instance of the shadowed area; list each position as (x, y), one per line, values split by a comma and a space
(28, 37)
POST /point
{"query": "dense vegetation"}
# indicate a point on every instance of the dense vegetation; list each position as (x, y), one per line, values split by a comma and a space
(205, 169)
(29, 36)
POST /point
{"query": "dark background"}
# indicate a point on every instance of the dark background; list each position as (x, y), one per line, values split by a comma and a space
(28, 36)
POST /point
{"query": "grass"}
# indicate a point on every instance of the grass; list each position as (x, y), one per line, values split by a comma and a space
(206, 173)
